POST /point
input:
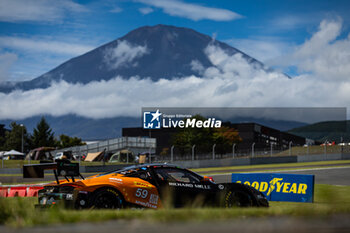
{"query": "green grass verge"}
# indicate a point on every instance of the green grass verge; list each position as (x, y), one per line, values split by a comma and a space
(329, 200)
(316, 149)
(271, 170)
(17, 163)
(279, 165)
(210, 169)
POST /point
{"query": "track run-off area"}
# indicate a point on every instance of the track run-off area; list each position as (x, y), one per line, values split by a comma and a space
(336, 172)
(321, 216)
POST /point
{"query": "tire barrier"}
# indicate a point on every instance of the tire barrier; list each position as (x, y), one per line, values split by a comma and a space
(4, 191)
(33, 191)
(20, 190)
(17, 192)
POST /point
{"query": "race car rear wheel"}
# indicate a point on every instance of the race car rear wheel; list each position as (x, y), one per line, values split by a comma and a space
(238, 198)
(107, 199)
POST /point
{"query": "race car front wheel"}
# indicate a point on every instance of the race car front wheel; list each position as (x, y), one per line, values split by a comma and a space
(237, 198)
(107, 199)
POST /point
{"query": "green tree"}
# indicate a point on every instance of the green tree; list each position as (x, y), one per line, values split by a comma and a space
(2, 142)
(185, 138)
(43, 135)
(205, 138)
(66, 141)
(224, 138)
(2, 136)
(13, 138)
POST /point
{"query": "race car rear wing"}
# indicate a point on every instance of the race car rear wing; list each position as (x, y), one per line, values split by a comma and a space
(60, 168)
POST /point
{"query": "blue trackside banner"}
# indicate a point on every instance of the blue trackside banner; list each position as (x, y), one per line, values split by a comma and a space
(280, 187)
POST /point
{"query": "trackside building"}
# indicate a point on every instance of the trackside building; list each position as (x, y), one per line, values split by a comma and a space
(250, 133)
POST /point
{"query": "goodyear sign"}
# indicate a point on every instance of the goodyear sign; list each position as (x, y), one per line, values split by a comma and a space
(280, 187)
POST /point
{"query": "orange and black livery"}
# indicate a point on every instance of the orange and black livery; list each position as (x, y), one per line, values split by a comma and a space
(147, 186)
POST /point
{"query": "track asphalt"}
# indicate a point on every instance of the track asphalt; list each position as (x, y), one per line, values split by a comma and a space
(335, 175)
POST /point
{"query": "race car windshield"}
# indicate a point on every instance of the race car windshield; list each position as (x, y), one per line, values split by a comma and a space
(125, 170)
(111, 172)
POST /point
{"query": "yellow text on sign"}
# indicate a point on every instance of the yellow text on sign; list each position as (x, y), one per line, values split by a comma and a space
(283, 187)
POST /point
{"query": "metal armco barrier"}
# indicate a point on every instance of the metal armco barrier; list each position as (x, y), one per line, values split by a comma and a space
(20, 190)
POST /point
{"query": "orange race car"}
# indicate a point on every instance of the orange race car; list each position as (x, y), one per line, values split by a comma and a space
(146, 186)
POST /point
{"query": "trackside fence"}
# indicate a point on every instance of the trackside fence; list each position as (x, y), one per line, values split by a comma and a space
(191, 154)
(135, 144)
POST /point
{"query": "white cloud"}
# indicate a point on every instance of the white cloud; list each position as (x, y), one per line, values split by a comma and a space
(328, 32)
(197, 66)
(116, 10)
(6, 62)
(289, 22)
(37, 55)
(39, 45)
(323, 54)
(230, 82)
(228, 65)
(263, 49)
(146, 10)
(192, 11)
(124, 54)
(37, 10)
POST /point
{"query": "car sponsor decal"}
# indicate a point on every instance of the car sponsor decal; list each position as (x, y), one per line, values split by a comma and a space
(146, 204)
(143, 185)
(189, 185)
(153, 199)
(143, 193)
(116, 180)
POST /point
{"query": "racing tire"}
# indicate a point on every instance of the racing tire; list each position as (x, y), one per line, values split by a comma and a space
(107, 199)
(238, 198)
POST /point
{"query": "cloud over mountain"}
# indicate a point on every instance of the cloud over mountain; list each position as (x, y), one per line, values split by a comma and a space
(124, 54)
(230, 80)
(6, 61)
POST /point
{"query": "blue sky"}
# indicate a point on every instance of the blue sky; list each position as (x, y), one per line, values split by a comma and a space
(308, 40)
(38, 35)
